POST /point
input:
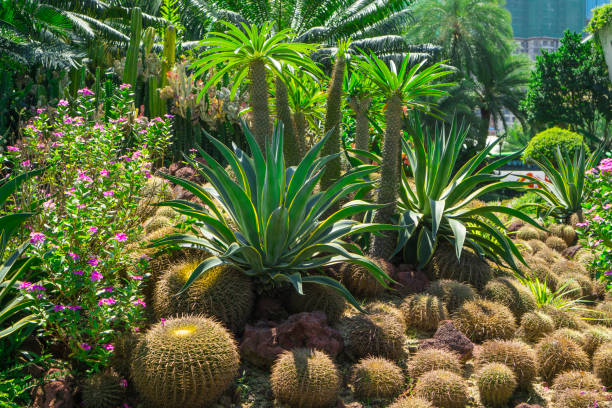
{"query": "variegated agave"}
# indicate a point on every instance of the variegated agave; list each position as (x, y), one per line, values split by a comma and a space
(277, 228)
(438, 204)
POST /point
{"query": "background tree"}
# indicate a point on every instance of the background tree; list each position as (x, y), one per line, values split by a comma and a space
(570, 88)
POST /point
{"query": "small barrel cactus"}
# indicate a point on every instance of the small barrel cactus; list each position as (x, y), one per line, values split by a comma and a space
(511, 293)
(423, 312)
(305, 378)
(451, 292)
(469, 269)
(103, 390)
(496, 384)
(527, 233)
(444, 389)
(535, 325)
(483, 320)
(360, 282)
(318, 297)
(556, 354)
(576, 380)
(377, 378)
(602, 364)
(411, 402)
(378, 334)
(519, 357)
(556, 243)
(430, 359)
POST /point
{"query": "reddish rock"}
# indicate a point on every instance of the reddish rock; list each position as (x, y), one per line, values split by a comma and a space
(174, 167)
(271, 309)
(409, 280)
(449, 337)
(262, 342)
(56, 392)
(514, 227)
(570, 252)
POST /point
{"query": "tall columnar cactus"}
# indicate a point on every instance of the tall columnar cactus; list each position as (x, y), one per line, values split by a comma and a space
(130, 73)
(169, 54)
(148, 39)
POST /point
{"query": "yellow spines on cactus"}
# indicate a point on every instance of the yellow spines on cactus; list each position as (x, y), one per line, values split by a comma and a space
(483, 320)
(411, 402)
(535, 325)
(511, 293)
(376, 334)
(360, 282)
(423, 311)
(496, 384)
(469, 269)
(444, 389)
(602, 364)
(518, 356)
(451, 292)
(576, 380)
(556, 243)
(318, 297)
(377, 378)
(556, 354)
(430, 359)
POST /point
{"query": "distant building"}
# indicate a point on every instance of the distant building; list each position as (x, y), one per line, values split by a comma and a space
(546, 18)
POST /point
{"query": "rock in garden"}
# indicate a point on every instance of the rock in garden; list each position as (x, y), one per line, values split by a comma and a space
(55, 392)
(262, 342)
(570, 252)
(449, 337)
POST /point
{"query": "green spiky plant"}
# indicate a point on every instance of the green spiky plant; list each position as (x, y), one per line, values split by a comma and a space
(253, 52)
(275, 230)
(562, 298)
(437, 207)
(359, 98)
(403, 86)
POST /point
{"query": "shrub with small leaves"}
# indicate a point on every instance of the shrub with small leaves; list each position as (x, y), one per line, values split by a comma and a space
(431, 359)
(556, 354)
(423, 311)
(444, 389)
(483, 320)
(518, 356)
(496, 384)
(377, 378)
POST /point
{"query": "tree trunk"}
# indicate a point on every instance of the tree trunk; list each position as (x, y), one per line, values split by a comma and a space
(362, 126)
(291, 146)
(300, 131)
(333, 116)
(384, 244)
(258, 98)
(485, 118)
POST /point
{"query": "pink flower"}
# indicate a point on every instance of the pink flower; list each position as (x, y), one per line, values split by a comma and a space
(93, 230)
(49, 205)
(81, 206)
(591, 171)
(582, 224)
(162, 321)
(85, 92)
(75, 307)
(168, 116)
(62, 102)
(79, 272)
(58, 134)
(106, 301)
(35, 287)
(96, 276)
(109, 347)
(25, 285)
(123, 382)
(74, 256)
(40, 110)
(85, 346)
(607, 206)
(26, 164)
(58, 308)
(104, 173)
(71, 191)
(136, 329)
(597, 218)
(93, 261)
(37, 237)
(109, 193)
(139, 302)
(136, 277)
(98, 126)
(120, 237)
(609, 273)
(125, 86)
(109, 289)
(84, 177)
(67, 120)
(12, 148)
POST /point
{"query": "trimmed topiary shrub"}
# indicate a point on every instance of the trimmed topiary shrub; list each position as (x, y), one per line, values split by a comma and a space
(602, 364)
(482, 320)
(528, 233)
(545, 144)
(103, 390)
(519, 357)
(222, 292)
(560, 317)
(305, 378)
(431, 359)
(451, 292)
(444, 389)
(510, 293)
(535, 325)
(163, 368)
(576, 380)
(377, 378)
(411, 402)
(470, 269)
(360, 282)
(423, 311)
(376, 334)
(556, 243)
(556, 354)
(318, 297)
(496, 384)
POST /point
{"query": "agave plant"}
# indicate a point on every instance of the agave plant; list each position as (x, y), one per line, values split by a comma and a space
(437, 205)
(564, 193)
(275, 230)
(559, 299)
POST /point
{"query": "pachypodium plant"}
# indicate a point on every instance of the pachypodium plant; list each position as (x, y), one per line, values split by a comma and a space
(90, 209)
(269, 221)
(437, 205)
(595, 231)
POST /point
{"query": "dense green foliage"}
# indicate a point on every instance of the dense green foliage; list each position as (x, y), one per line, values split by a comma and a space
(544, 145)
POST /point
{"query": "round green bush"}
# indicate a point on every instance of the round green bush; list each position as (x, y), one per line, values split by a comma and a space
(576, 380)
(222, 292)
(185, 362)
(318, 297)
(602, 364)
(431, 359)
(377, 378)
(305, 378)
(103, 390)
(556, 354)
(378, 334)
(535, 325)
(512, 294)
(359, 280)
(423, 311)
(544, 145)
(470, 269)
(482, 320)
(411, 402)
(444, 389)
(518, 356)
(452, 293)
(496, 384)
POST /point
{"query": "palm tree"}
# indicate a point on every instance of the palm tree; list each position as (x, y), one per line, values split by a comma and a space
(413, 88)
(358, 92)
(372, 24)
(464, 28)
(253, 52)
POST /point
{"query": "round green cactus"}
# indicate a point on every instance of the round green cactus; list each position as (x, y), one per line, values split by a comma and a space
(496, 384)
(360, 282)
(519, 357)
(469, 269)
(184, 362)
(556, 243)
(556, 354)
(561, 318)
(156, 223)
(305, 378)
(512, 294)
(602, 364)
(451, 292)
(377, 334)
(576, 380)
(535, 325)
(103, 390)
(444, 389)
(431, 359)
(411, 402)
(482, 320)
(423, 311)
(528, 233)
(318, 297)
(377, 378)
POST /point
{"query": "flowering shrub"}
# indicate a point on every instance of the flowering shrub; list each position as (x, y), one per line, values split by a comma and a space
(89, 290)
(596, 231)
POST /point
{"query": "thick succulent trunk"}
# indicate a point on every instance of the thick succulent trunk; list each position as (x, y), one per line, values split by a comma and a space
(362, 126)
(300, 131)
(485, 120)
(291, 146)
(384, 244)
(333, 116)
(258, 98)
